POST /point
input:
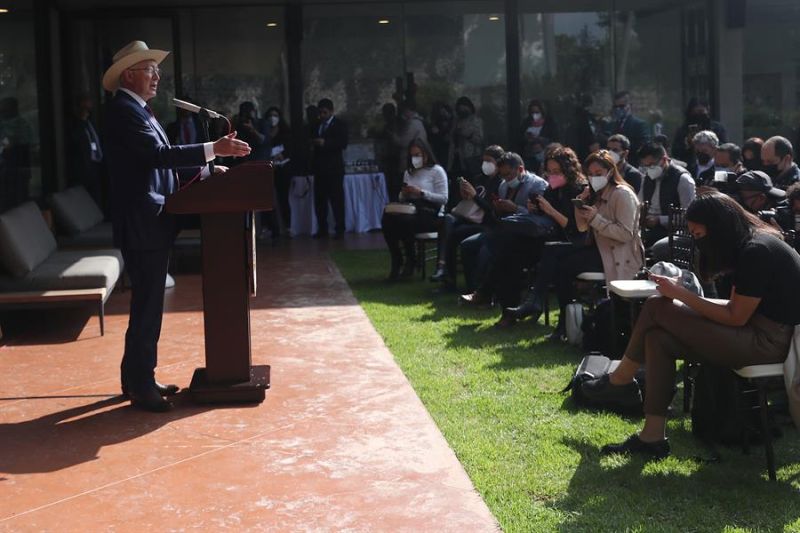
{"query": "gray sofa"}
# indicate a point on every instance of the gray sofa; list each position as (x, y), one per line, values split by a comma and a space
(33, 271)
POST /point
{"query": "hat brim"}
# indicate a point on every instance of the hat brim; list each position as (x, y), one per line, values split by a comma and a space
(111, 77)
(777, 193)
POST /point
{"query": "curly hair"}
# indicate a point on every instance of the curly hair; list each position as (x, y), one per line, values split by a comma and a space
(568, 162)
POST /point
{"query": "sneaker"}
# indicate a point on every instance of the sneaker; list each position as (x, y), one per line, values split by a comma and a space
(601, 391)
(634, 445)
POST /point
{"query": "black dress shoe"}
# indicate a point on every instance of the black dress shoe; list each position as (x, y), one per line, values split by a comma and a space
(505, 322)
(531, 306)
(338, 236)
(320, 235)
(149, 400)
(656, 450)
(163, 390)
(602, 392)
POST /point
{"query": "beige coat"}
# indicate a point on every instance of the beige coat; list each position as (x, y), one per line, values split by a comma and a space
(615, 229)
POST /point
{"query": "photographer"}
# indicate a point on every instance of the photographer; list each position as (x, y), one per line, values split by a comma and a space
(757, 195)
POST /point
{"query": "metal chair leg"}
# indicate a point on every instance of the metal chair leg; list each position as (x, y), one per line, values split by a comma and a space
(102, 319)
(765, 430)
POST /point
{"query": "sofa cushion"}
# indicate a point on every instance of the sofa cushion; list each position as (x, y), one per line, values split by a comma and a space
(99, 236)
(75, 211)
(25, 239)
(78, 269)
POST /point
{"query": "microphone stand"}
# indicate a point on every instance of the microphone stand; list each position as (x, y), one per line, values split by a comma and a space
(205, 119)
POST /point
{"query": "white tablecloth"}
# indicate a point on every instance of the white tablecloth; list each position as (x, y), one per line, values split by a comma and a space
(364, 199)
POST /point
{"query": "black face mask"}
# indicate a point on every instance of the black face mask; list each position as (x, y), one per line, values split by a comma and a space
(771, 170)
(703, 158)
(752, 164)
(700, 118)
(701, 243)
(463, 113)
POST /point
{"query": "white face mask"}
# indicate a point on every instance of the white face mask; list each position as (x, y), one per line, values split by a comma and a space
(416, 161)
(536, 116)
(598, 182)
(274, 120)
(615, 156)
(488, 168)
(653, 172)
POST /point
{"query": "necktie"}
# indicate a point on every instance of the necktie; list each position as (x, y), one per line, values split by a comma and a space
(149, 110)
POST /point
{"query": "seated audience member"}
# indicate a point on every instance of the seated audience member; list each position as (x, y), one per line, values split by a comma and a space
(565, 181)
(424, 185)
(696, 118)
(455, 228)
(793, 200)
(754, 327)
(751, 153)
(538, 129)
(620, 148)
(758, 196)
(512, 198)
(729, 159)
(777, 159)
(703, 166)
(665, 184)
(611, 216)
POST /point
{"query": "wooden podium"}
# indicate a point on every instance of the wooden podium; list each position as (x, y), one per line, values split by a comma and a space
(226, 203)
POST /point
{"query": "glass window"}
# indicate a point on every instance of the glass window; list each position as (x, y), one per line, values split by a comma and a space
(454, 50)
(566, 65)
(353, 55)
(20, 167)
(653, 41)
(232, 56)
(771, 69)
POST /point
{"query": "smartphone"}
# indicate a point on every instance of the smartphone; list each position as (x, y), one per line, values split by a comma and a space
(534, 197)
(577, 202)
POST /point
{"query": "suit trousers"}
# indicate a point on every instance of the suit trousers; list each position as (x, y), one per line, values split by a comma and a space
(329, 187)
(666, 331)
(147, 270)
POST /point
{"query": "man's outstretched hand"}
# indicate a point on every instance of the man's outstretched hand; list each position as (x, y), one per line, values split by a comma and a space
(230, 146)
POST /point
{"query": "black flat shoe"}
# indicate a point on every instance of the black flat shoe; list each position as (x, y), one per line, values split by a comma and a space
(634, 445)
(439, 276)
(602, 392)
(149, 400)
(505, 322)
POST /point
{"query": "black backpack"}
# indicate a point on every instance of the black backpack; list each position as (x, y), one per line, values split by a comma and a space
(595, 365)
(715, 417)
(598, 331)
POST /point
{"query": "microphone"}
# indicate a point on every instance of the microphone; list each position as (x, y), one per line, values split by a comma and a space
(188, 106)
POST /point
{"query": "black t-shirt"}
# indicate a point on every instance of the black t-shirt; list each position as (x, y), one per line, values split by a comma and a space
(769, 269)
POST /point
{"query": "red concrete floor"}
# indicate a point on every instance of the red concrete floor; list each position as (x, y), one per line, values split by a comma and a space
(341, 443)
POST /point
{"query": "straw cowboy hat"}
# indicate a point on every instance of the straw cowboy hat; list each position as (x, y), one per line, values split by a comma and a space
(132, 53)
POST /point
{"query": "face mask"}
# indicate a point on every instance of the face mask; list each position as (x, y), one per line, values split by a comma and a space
(700, 118)
(772, 170)
(513, 183)
(752, 164)
(701, 243)
(416, 161)
(619, 113)
(273, 120)
(536, 117)
(556, 181)
(598, 182)
(488, 168)
(703, 158)
(539, 157)
(463, 113)
(653, 172)
(616, 157)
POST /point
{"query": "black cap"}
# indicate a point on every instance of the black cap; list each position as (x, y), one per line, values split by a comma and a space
(755, 180)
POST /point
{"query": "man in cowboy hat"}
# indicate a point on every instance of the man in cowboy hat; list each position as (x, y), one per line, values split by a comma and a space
(142, 172)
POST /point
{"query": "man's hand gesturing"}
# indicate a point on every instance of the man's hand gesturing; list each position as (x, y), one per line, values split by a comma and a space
(230, 146)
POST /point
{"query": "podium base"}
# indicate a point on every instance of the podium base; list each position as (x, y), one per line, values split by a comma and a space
(201, 391)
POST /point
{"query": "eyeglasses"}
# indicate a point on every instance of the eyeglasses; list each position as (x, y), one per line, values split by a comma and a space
(153, 71)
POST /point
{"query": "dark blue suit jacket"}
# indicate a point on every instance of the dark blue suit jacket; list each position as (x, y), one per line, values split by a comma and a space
(141, 165)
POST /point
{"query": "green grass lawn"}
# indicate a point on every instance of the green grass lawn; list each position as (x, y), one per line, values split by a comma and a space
(531, 454)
